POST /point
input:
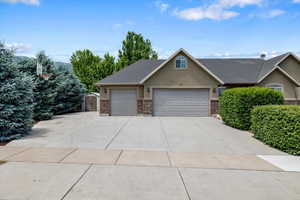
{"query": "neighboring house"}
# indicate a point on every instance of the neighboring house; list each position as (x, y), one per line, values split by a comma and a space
(185, 86)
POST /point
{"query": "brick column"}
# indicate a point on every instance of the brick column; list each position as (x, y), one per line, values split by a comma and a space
(214, 107)
(140, 107)
(147, 107)
(104, 107)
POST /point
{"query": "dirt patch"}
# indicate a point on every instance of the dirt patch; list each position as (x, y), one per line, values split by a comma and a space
(2, 162)
(3, 143)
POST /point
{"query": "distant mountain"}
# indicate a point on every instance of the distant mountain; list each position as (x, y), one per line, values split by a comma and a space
(63, 65)
(66, 66)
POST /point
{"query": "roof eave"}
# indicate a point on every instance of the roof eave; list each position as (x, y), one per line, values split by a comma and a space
(107, 84)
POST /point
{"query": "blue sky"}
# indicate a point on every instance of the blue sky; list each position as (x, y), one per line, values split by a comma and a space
(205, 28)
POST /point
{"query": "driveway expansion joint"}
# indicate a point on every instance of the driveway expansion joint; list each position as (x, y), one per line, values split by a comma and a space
(116, 135)
(119, 156)
(67, 155)
(77, 181)
(5, 159)
(184, 185)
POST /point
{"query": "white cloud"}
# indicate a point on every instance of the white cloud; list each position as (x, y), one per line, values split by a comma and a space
(268, 14)
(162, 6)
(296, 1)
(19, 47)
(30, 2)
(275, 13)
(240, 3)
(216, 11)
(212, 12)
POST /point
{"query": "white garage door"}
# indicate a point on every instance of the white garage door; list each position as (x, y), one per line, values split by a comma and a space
(181, 102)
(123, 102)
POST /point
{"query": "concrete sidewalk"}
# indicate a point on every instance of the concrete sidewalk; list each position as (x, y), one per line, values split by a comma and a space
(135, 158)
(66, 173)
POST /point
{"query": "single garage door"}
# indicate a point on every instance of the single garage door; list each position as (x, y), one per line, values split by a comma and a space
(123, 102)
(181, 102)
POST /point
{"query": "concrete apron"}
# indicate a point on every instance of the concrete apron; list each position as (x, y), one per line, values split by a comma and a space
(148, 158)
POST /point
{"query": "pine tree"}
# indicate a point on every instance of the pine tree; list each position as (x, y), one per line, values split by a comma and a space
(45, 89)
(61, 93)
(70, 93)
(16, 99)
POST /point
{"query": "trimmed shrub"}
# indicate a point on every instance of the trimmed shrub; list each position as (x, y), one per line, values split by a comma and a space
(236, 104)
(278, 126)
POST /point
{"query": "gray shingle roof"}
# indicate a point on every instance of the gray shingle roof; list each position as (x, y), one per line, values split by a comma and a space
(269, 65)
(230, 71)
(134, 73)
(234, 70)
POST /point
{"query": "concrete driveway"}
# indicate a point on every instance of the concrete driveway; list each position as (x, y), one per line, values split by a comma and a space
(182, 134)
(84, 156)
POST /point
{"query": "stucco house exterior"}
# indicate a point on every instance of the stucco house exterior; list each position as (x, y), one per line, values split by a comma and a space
(185, 86)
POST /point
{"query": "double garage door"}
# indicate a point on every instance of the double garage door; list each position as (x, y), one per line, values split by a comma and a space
(181, 102)
(166, 102)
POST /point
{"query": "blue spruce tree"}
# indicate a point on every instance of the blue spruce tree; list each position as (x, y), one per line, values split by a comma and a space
(45, 89)
(16, 99)
(70, 93)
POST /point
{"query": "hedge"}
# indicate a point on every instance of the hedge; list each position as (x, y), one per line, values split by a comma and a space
(236, 104)
(278, 126)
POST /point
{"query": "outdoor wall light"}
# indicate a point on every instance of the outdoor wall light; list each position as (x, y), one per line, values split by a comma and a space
(148, 90)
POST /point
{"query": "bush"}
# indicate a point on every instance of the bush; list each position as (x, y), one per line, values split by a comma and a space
(16, 99)
(236, 104)
(278, 126)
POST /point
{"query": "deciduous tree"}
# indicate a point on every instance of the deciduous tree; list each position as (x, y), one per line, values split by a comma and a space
(134, 48)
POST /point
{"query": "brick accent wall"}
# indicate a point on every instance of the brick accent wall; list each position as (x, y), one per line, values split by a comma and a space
(105, 107)
(147, 105)
(140, 107)
(214, 107)
(292, 102)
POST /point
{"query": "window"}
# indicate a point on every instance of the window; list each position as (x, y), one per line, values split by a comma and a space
(220, 90)
(181, 62)
(277, 87)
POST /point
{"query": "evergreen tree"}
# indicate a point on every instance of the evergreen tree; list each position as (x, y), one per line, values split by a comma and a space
(45, 89)
(70, 93)
(61, 93)
(134, 48)
(16, 99)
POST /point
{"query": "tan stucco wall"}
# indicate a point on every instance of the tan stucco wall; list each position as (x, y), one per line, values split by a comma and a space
(280, 78)
(292, 67)
(168, 76)
(105, 96)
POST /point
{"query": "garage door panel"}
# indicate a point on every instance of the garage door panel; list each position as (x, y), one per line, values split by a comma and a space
(181, 102)
(123, 102)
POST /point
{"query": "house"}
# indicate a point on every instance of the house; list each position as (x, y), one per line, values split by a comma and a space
(185, 86)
